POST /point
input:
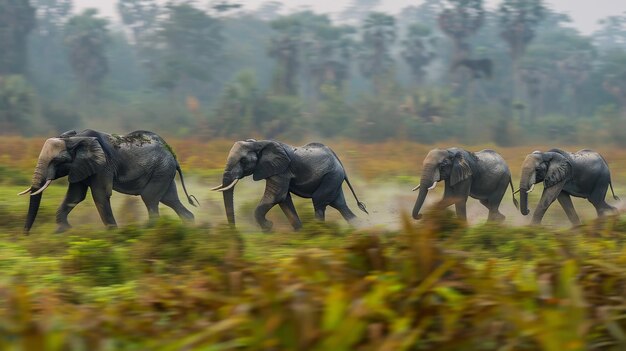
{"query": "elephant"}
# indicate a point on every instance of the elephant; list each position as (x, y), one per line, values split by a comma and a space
(310, 171)
(582, 174)
(139, 163)
(483, 175)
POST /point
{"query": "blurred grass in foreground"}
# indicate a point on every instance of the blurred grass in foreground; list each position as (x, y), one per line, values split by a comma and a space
(433, 286)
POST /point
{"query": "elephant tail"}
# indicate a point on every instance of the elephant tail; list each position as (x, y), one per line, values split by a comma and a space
(613, 192)
(513, 193)
(359, 203)
(190, 198)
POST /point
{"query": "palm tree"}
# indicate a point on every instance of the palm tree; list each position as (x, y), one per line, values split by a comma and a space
(86, 37)
(285, 49)
(459, 20)
(419, 50)
(17, 19)
(379, 34)
(518, 21)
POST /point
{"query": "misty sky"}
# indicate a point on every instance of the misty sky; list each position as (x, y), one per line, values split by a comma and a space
(585, 13)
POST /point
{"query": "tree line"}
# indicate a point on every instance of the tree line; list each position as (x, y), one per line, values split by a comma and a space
(443, 69)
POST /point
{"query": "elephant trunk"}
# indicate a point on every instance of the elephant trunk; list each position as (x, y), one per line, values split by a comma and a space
(524, 203)
(426, 181)
(229, 199)
(525, 184)
(33, 208)
(40, 176)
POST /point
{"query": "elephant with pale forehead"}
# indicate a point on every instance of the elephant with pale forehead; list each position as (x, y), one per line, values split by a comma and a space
(139, 163)
(582, 174)
(311, 171)
(482, 175)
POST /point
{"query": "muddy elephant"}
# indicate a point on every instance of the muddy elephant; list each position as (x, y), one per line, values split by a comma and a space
(582, 174)
(310, 171)
(139, 163)
(482, 175)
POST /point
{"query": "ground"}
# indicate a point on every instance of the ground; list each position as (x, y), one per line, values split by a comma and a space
(391, 283)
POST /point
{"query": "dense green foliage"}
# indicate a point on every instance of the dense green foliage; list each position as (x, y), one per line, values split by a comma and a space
(438, 285)
(441, 70)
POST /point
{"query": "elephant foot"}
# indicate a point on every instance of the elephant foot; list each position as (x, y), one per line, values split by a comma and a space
(418, 217)
(111, 226)
(62, 227)
(267, 226)
(497, 218)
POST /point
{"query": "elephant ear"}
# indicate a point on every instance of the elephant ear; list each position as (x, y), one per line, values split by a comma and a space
(273, 159)
(460, 170)
(559, 169)
(69, 133)
(88, 157)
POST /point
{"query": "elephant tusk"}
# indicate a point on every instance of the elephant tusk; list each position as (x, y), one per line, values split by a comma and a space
(42, 188)
(516, 191)
(26, 191)
(217, 187)
(433, 186)
(230, 186)
(416, 188)
(532, 187)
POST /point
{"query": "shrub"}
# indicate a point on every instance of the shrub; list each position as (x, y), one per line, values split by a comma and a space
(166, 241)
(94, 261)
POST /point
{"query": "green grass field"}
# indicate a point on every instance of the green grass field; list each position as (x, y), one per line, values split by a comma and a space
(389, 283)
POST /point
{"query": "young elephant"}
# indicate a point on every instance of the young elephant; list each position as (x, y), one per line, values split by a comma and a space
(311, 171)
(483, 175)
(582, 174)
(139, 163)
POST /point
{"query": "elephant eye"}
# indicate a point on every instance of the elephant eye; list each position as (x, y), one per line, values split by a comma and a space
(246, 161)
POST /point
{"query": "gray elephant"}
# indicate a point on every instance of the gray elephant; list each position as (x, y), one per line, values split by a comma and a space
(582, 174)
(310, 171)
(139, 163)
(483, 175)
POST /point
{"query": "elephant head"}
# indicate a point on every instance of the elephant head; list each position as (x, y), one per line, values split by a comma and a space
(78, 157)
(551, 168)
(261, 159)
(441, 164)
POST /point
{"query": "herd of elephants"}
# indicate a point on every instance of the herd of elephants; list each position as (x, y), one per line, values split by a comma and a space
(142, 163)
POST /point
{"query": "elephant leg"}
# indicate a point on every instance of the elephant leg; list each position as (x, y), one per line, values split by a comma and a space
(602, 208)
(320, 212)
(152, 204)
(492, 203)
(461, 210)
(102, 198)
(566, 202)
(547, 198)
(597, 199)
(290, 211)
(340, 205)
(171, 200)
(449, 197)
(326, 193)
(494, 213)
(457, 195)
(276, 191)
(152, 194)
(76, 193)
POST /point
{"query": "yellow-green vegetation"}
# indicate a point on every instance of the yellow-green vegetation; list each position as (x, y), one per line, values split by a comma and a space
(434, 286)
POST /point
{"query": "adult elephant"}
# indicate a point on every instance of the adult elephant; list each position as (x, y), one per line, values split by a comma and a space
(483, 175)
(582, 174)
(311, 171)
(139, 163)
